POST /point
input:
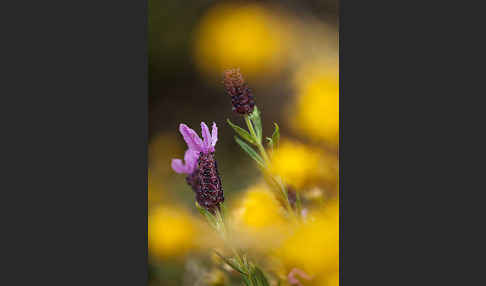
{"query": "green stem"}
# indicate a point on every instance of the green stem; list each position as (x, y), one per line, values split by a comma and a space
(250, 127)
(258, 140)
(222, 231)
(243, 267)
(264, 154)
(288, 206)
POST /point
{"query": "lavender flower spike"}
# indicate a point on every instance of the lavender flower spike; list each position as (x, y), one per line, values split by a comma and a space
(201, 167)
(241, 96)
(196, 146)
(193, 140)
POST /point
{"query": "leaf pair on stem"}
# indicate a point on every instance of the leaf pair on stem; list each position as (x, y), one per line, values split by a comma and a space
(254, 137)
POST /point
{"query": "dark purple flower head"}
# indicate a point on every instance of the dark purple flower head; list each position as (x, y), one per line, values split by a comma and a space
(210, 194)
(241, 96)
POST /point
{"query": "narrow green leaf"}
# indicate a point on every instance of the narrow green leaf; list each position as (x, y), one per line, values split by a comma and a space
(223, 210)
(269, 143)
(253, 154)
(245, 262)
(257, 123)
(219, 219)
(211, 221)
(265, 281)
(254, 278)
(242, 132)
(262, 280)
(230, 263)
(259, 276)
(255, 281)
(247, 281)
(276, 136)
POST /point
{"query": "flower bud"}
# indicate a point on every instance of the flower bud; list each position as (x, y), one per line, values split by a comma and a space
(241, 96)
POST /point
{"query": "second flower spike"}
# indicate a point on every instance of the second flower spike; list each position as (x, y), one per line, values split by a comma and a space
(241, 96)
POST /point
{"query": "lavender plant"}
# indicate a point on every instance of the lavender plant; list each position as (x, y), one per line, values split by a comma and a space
(200, 166)
(202, 175)
(201, 170)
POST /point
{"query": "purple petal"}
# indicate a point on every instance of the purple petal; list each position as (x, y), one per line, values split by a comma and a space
(207, 137)
(214, 135)
(192, 139)
(178, 166)
(190, 157)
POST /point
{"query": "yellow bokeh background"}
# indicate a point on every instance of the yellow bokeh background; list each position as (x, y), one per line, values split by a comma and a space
(317, 103)
(247, 36)
(171, 232)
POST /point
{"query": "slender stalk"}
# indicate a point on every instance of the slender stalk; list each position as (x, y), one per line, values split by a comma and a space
(222, 231)
(298, 203)
(258, 141)
(294, 214)
(264, 154)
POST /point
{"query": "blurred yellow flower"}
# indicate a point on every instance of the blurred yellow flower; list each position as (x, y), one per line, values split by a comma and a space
(171, 232)
(331, 280)
(317, 105)
(258, 220)
(314, 246)
(235, 35)
(295, 163)
(258, 209)
(302, 166)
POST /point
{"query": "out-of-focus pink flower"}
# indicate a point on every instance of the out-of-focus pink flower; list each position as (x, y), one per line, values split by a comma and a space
(292, 279)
